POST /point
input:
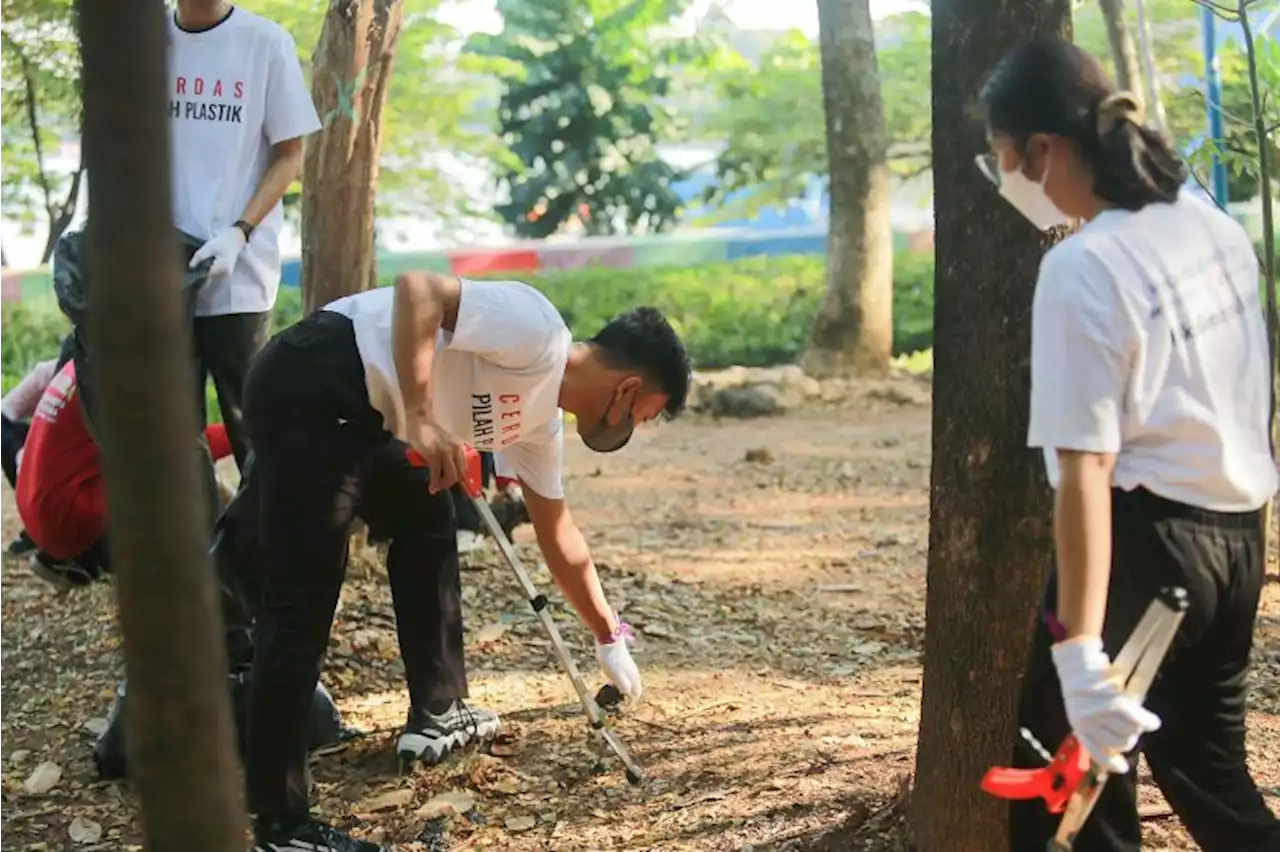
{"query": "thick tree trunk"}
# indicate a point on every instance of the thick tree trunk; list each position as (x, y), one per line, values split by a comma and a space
(853, 332)
(350, 76)
(1123, 53)
(181, 758)
(989, 532)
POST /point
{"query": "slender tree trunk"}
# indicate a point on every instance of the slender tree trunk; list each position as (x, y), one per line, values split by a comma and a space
(59, 222)
(853, 332)
(1150, 72)
(989, 532)
(178, 718)
(1122, 51)
(350, 76)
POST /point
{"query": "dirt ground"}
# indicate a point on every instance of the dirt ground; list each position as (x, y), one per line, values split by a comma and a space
(775, 571)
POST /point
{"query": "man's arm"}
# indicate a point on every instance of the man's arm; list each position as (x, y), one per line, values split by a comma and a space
(425, 303)
(570, 563)
(285, 167)
(1082, 532)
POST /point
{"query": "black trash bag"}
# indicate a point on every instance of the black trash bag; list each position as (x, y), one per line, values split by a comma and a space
(324, 726)
(71, 280)
(71, 283)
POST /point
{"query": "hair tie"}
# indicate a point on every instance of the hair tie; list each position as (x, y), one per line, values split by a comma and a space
(1119, 107)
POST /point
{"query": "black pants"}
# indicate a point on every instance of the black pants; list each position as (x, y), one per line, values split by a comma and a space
(225, 347)
(13, 434)
(321, 458)
(1198, 755)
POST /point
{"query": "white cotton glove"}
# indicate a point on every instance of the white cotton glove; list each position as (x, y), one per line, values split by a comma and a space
(1106, 721)
(616, 663)
(224, 248)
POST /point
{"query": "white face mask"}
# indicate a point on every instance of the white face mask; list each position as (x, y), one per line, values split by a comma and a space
(1030, 199)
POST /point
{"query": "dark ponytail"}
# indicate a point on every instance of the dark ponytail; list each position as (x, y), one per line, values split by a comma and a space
(1052, 86)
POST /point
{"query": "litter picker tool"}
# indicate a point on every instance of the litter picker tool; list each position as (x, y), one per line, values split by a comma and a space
(1071, 782)
(472, 484)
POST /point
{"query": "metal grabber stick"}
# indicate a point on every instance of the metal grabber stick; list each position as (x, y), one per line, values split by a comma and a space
(1071, 783)
(473, 485)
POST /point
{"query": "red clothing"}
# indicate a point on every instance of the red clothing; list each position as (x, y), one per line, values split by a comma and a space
(60, 495)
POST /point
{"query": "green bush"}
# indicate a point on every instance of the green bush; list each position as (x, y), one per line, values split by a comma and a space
(755, 312)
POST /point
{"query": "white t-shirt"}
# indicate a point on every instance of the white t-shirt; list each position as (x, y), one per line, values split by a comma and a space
(1148, 341)
(496, 377)
(235, 90)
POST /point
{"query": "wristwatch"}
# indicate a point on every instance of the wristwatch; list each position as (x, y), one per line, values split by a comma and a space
(245, 228)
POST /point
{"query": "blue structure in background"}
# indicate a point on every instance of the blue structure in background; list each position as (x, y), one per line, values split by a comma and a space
(1213, 101)
(808, 212)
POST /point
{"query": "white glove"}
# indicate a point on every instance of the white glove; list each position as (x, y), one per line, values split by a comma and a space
(1106, 721)
(615, 661)
(224, 248)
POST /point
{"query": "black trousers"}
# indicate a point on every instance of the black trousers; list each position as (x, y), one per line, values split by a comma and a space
(225, 347)
(13, 434)
(1198, 755)
(322, 458)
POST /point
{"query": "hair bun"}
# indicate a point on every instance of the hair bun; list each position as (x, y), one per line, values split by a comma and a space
(1119, 107)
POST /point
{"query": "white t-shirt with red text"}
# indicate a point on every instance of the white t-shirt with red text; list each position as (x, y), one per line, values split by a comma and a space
(496, 377)
(235, 90)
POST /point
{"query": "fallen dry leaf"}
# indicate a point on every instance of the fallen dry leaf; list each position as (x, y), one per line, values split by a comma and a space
(43, 778)
(446, 804)
(490, 633)
(520, 823)
(84, 830)
(391, 799)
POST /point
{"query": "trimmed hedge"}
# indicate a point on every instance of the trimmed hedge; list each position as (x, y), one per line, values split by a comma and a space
(755, 312)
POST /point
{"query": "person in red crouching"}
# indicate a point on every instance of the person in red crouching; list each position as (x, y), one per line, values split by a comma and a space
(60, 492)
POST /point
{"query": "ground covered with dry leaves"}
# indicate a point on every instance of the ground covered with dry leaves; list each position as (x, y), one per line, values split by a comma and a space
(775, 571)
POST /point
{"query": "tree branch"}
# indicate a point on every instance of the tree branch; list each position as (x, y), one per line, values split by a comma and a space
(1225, 113)
(1226, 13)
(33, 122)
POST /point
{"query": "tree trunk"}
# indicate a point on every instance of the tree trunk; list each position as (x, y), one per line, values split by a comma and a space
(179, 730)
(1123, 53)
(1150, 71)
(853, 332)
(990, 527)
(59, 223)
(350, 76)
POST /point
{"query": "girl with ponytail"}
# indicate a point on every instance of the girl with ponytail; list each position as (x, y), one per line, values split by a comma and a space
(1150, 392)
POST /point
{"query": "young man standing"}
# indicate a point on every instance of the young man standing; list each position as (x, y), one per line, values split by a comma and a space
(334, 404)
(239, 107)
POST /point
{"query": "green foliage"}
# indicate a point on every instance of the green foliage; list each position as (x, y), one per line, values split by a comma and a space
(755, 312)
(778, 158)
(40, 57)
(437, 102)
(1239, 146)
(906, 67)
(581, 110)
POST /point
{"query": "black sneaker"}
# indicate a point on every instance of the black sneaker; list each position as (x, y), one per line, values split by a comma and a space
(309, 836)
(21, 545)
(60, 574)
(428, 736)
(510, 512)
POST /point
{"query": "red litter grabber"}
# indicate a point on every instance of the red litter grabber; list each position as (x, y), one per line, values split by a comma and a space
(472, 483)
(1071, 783)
